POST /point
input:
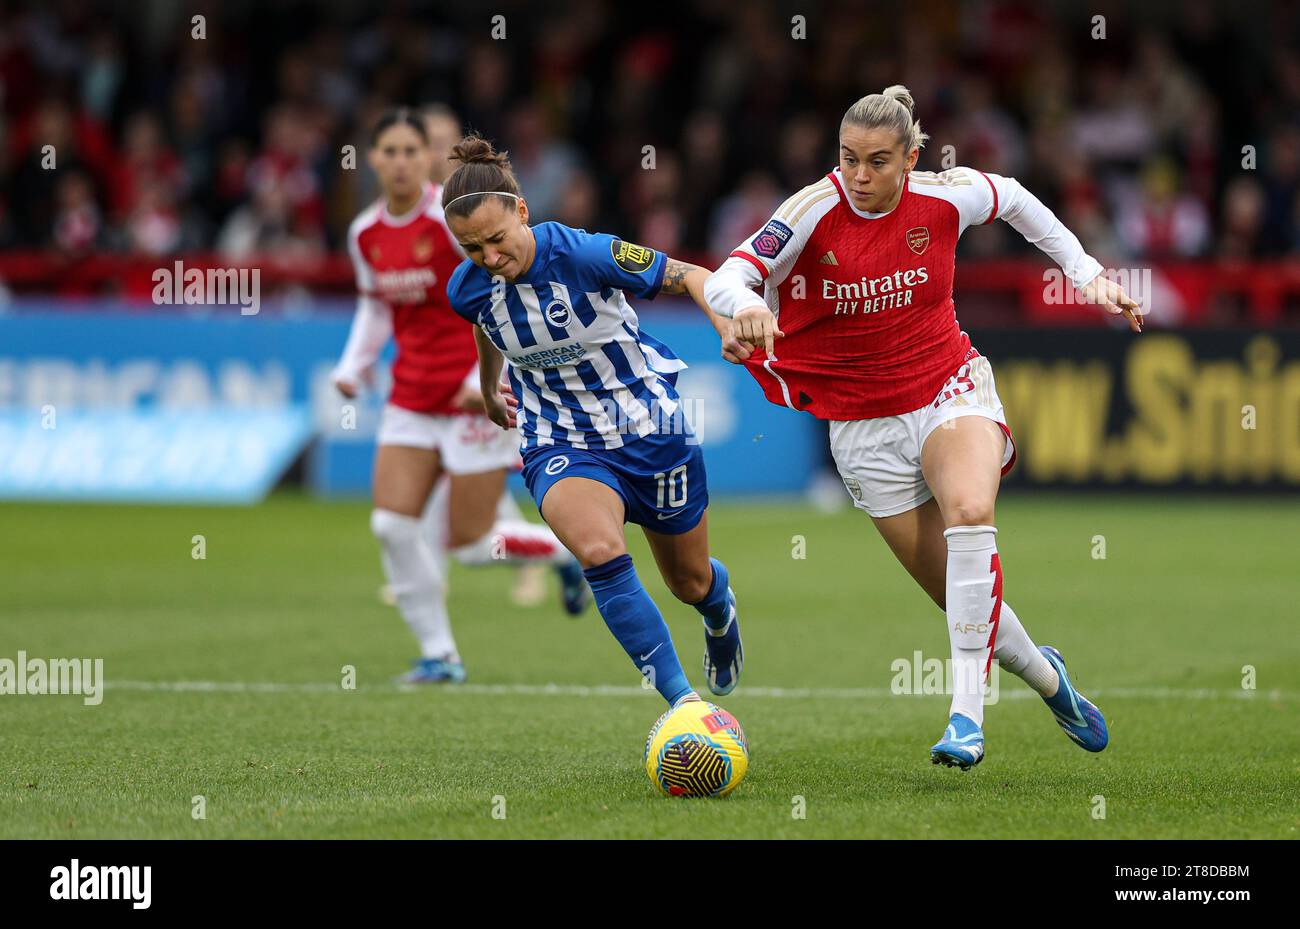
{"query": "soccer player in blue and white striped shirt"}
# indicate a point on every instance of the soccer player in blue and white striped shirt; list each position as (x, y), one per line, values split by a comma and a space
(604, 438)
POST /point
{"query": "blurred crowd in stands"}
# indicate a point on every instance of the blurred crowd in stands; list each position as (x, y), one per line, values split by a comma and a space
(1175, 136)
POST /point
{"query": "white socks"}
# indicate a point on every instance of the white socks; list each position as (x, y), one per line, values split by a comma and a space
(977, 619)
(415, 558)
(417, 581)
(974, 597)
(436, 520)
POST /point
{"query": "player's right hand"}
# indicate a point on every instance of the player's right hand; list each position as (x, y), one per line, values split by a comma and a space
(500, 405)
(757, 326)
(734, 350)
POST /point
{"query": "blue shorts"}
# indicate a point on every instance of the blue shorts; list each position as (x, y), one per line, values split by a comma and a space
(659, 476)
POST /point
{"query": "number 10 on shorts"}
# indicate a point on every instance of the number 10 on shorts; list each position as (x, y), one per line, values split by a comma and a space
(672, 485)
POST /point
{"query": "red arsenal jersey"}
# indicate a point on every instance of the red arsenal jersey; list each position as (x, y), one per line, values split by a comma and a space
(865, 300)
(404, 262)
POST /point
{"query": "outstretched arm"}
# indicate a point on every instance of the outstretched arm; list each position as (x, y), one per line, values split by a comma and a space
(766, 258)
(1039, 225)
(372, 325)
(685, 279)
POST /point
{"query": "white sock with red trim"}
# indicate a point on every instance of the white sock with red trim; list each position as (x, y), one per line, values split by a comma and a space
(974, 598)
(514, 542)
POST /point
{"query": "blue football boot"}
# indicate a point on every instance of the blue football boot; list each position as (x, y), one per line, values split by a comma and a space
(962, 745)
(724, 656)
(574, 587)
(1074, 713)
(434, 671)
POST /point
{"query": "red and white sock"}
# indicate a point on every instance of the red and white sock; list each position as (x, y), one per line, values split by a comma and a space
(514, 542)
(974, 599)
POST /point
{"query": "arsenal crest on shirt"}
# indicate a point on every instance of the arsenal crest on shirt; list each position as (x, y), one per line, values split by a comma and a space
(918, 239)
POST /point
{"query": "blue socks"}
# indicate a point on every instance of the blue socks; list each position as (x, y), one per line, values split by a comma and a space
(638, 625)
(715, 607)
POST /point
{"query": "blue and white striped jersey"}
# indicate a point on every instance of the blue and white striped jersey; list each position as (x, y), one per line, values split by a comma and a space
(584, 372)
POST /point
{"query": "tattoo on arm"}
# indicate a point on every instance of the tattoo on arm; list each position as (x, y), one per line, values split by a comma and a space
(675, 276)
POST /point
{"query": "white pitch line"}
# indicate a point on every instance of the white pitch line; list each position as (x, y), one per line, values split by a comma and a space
(615, 690)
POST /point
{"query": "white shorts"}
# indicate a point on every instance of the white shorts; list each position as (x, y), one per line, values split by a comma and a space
(880, 459)
(467, 443)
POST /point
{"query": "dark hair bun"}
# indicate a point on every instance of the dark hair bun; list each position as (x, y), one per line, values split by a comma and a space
(474, 149)
(482, 170)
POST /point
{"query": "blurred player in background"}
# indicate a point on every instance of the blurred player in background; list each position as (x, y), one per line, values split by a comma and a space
(857, 274)
(605, 441)
(433, 423)
(443, 129)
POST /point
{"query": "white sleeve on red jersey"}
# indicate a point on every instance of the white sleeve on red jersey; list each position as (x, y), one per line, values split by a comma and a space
(730, 289)
(767, 256)
(981, 198)
(372, 325)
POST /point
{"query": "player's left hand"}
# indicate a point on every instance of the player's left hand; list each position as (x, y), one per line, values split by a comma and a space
(1111, 297)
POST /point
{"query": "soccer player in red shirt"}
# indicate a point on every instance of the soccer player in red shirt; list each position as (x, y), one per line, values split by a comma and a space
(433, 423)
(856, 326)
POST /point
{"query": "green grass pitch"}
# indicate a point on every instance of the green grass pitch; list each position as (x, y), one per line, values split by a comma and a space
(1190, 591)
